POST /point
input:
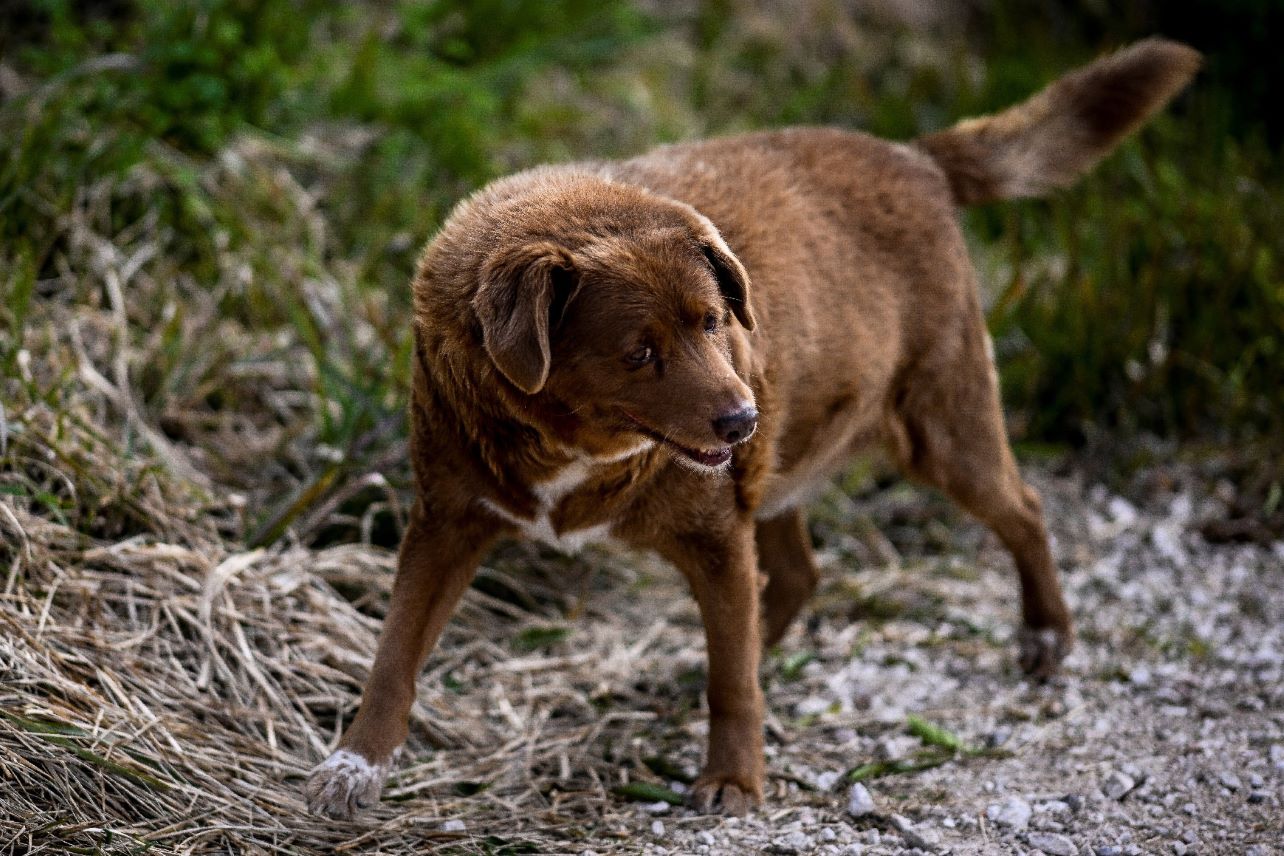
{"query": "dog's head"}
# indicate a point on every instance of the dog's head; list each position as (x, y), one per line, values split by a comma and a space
(628, 325)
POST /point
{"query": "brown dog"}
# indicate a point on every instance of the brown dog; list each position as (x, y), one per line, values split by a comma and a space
(580, 376)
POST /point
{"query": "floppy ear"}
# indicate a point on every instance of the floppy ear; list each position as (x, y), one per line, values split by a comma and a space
(520, 288)
(732, 277)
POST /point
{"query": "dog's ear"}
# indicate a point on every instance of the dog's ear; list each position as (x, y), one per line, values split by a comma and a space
(732, 277)
(521, 289)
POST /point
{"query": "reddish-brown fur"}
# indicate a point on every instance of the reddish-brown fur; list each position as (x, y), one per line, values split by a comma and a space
(580, 330)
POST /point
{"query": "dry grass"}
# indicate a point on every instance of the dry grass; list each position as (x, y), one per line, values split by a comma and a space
(173, 693)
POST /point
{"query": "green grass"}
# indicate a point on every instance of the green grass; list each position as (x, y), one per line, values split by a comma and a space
(216, 207)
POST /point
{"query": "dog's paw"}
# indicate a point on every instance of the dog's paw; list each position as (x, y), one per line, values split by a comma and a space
(715, 793)
(1042, 649)
(343, 784)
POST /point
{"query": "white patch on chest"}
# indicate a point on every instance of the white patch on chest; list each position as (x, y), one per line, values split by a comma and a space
(551, 492)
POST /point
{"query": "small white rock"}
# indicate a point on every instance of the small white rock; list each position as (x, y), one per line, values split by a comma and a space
(923, 838)
(1052, 844)
(1117, 784)
(827, 779)
(659, 807)
(1123, 511)
(812, 706)
(453, 826)
(859, 801)
(1013, 812)
(794, 842)
(657, 827)
(896, 746)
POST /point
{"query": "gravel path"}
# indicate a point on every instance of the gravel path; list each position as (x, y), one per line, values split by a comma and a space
(1164, 735)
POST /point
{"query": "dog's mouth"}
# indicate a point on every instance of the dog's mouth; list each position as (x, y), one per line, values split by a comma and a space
(710, 458)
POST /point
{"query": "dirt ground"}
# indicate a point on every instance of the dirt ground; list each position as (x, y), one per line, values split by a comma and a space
(565, 703)
(1165, 734)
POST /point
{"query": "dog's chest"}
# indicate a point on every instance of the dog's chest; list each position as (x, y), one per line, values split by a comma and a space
(548, 524)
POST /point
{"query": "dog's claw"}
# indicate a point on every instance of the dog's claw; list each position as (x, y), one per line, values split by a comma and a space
(1042, 649)
(344, 783)
(715, 794)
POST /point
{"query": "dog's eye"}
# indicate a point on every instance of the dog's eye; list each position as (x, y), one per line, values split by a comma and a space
(710, 323)
(641, 356)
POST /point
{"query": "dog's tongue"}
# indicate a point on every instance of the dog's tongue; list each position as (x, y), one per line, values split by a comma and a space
(716, 458)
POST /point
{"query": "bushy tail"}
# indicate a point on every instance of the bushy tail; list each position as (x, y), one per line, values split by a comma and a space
(1056, 136)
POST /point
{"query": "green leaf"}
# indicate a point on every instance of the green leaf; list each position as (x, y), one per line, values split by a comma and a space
(54, 733)
(922, 761)
(534, 638)
(934, 735)
(791, 668)
(649, 792)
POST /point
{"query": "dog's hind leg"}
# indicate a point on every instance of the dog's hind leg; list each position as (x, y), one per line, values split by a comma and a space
(951, 435)
(784, 554)
(437, 562)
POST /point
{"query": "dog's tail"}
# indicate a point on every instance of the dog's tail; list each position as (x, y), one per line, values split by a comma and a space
(1056, 136)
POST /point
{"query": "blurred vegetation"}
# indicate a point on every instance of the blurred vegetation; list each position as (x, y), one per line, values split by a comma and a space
(209, 212)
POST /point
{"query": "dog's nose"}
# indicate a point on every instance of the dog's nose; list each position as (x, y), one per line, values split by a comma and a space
(737, 425)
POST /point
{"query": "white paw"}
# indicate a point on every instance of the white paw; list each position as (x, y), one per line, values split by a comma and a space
(344, 783)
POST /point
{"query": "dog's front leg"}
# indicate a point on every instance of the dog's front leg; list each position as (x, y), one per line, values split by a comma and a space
(723, 573)
(437, 562)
